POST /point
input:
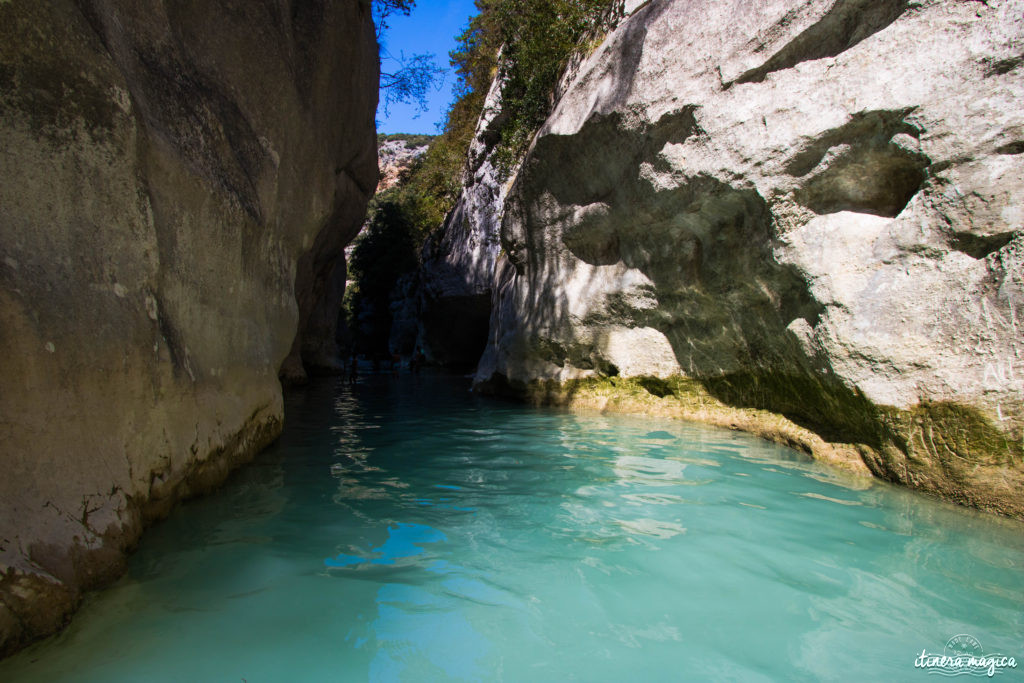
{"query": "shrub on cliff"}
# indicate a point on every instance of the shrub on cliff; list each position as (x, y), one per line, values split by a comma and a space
(410, 139)
(535, 39)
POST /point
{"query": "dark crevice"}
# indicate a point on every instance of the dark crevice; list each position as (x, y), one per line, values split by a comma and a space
(175, 344)
(454, 329)
(878, 181)
(655, 386)
(980, 246)
(846, 24)
(489, 137)
(1002, 66)
(1015, 147)
(878, 126)
(867, 173)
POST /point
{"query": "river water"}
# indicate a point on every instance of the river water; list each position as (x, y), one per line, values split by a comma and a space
(403, 529)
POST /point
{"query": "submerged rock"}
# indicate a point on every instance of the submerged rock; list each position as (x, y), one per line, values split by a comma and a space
(178, 184)
(813, 208)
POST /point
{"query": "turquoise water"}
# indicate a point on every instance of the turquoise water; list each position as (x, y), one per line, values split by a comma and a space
(404, 530)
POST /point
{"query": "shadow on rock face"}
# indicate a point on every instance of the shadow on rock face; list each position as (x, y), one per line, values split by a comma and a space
(868, 165)
(846, 24)
(723, 301)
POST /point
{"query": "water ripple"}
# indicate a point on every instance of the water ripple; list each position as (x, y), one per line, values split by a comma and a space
(402, 529)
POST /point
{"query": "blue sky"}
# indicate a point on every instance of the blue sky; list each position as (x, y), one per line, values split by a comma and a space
(431, 27)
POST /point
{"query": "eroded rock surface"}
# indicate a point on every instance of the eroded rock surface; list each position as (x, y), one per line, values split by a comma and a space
(444, 310)
(815, 208)
(178, 182)
(394, 157)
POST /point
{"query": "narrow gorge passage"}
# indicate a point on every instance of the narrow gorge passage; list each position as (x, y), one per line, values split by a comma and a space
(316, 368)
(404, 529)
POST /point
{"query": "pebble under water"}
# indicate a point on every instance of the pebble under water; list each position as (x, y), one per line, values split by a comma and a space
(405, 530)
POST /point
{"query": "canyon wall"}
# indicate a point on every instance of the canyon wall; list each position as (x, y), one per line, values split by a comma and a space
(454, 283)
(178, 182)
(808, 208)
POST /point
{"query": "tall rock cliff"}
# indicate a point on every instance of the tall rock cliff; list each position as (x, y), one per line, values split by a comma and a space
(808, 207)
(178, 182)
(454, 284)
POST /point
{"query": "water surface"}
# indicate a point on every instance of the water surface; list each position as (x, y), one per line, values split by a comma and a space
(402, 529)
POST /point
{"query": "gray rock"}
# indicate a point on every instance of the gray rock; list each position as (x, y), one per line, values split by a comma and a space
(811, 207)
(456, 276)
(178, 182)
(394, 157)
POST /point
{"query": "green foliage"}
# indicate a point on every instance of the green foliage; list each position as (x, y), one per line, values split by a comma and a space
(537, 38)
(382, 9)
(387, 249)
(403, 79)
(411, 139)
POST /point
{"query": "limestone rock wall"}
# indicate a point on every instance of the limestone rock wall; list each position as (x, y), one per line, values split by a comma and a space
(812, 207)
(455, 280)
(394, 157)
(178, 181)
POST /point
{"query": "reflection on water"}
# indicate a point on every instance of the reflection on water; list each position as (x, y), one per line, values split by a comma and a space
(403, 530)
(402, 544)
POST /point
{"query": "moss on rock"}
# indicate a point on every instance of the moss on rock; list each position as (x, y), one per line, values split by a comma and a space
(943, 448)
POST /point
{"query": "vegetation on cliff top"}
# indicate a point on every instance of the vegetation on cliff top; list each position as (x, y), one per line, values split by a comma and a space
(537, 38)
(527, 45)
(410, 139)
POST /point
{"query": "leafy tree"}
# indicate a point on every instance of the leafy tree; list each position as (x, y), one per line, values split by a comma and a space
(382, 9)
(387, 248)
(411, 81)
(403, 79)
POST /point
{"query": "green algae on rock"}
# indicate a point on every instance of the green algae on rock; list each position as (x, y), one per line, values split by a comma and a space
(811, 211)
(944, 449)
